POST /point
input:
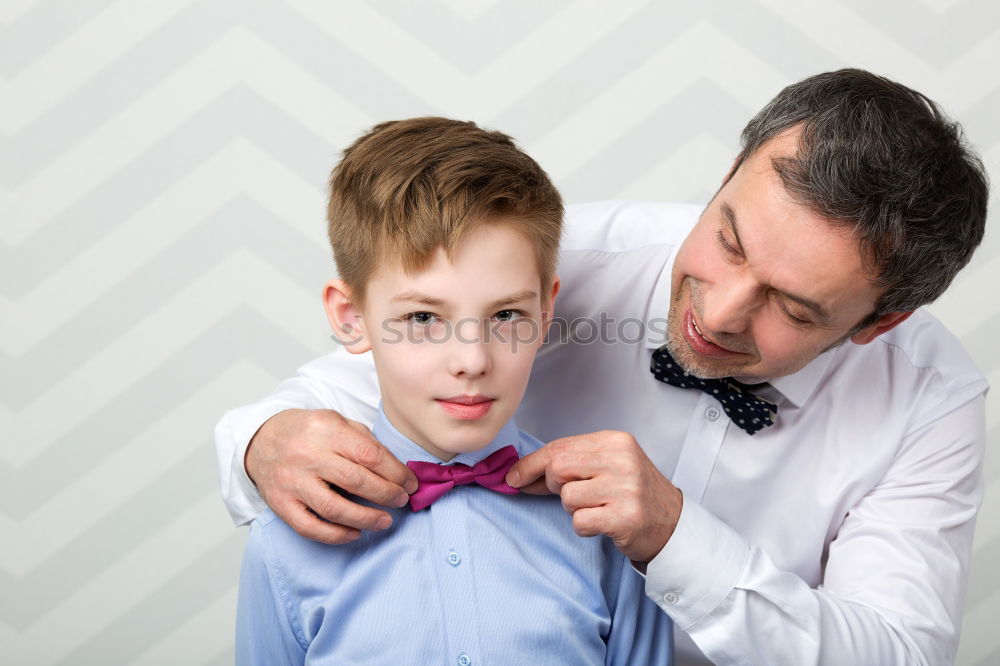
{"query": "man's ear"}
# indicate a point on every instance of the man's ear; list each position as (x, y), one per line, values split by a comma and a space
(883, 324)
(345, 317)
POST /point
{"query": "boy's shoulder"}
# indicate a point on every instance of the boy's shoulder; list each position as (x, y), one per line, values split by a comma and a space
(527, 443)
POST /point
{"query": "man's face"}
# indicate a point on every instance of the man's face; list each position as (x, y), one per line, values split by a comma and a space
(454, 344)
(762, 285)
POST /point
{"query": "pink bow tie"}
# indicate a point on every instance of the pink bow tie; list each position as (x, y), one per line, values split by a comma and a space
(435, 480)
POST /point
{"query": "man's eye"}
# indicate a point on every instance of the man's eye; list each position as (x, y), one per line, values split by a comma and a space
(726, 245)
(422, 318)
(508, 315)
(795, 319)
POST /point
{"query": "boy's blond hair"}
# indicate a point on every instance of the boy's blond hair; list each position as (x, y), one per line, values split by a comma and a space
(408, 187)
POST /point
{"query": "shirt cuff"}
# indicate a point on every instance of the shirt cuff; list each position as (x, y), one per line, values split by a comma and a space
(697, 568)
(240, 494)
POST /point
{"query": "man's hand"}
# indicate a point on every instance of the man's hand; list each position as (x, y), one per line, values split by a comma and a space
(296, 456)
(610, 486)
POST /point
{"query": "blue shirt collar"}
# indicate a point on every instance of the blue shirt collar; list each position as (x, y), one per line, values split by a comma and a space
(405, 449)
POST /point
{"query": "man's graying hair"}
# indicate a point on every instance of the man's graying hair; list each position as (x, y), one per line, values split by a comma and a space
(883, 161)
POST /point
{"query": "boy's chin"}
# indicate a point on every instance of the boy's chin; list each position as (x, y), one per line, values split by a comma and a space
(469, 444)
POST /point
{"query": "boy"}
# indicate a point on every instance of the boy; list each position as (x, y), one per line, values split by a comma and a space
(445, 237)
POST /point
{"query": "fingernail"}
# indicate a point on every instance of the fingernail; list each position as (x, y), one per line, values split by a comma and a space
(410, 487)
(383, 522)
(402, 499)
(513, 478)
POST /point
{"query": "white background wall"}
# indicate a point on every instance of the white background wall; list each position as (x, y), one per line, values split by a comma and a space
(162, 247)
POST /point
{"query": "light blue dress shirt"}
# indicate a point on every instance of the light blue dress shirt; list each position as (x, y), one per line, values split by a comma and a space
(477, 578)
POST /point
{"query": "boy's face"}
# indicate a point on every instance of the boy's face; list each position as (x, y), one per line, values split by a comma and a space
(454, 344)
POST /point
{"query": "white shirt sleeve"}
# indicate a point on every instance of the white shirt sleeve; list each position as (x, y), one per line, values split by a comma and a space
(894, 583)
(340, 381)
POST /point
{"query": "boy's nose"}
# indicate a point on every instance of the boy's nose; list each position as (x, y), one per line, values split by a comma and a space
(469, 354)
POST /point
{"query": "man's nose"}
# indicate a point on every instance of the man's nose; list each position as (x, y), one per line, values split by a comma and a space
(469, 352)
(728, 305)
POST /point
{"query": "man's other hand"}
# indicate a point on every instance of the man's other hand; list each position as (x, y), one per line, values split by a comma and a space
(610, 487)
(298, 454)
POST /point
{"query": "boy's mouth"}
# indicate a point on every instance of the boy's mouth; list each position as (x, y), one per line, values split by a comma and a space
(466, 407)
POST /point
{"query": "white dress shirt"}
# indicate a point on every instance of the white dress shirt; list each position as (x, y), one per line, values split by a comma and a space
(840, 535)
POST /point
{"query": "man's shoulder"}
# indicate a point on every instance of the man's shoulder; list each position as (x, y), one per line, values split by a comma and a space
(925, 343)
(615, 226)
(919, 363)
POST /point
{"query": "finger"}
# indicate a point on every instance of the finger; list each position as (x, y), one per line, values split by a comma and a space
(368, 452)
(530, 468)
(358, 480)
(305, 522)
(536, 488)
(329, 505)
(583, 494)
(591, 521)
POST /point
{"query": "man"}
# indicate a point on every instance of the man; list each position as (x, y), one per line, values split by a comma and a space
(841, 533)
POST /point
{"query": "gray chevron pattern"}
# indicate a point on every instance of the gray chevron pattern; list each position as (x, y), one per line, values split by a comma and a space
(162, 246)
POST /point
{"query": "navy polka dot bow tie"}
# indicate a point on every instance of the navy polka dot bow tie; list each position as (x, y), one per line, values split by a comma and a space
(746, 410)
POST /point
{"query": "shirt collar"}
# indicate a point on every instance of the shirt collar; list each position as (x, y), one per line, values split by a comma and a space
(799, 386)
(406, 449)
(659, 304)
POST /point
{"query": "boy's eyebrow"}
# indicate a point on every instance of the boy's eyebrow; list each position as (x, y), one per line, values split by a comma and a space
(516, 297)
(809, 304)
(418, 297)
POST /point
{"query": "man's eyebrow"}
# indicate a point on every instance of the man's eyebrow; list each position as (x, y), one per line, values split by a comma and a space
(516, 297)
(809, 304)
(816, 308)
(730, 215)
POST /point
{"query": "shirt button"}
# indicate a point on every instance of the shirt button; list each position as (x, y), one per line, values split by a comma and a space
(463, 660)
(670, 598)
(454, 559)
(713, 413)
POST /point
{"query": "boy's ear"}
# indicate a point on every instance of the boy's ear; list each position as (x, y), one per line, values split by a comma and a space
(345, 317)
(884, 324)
(548, 314)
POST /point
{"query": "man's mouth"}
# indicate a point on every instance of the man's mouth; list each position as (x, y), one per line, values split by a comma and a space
(701, 344)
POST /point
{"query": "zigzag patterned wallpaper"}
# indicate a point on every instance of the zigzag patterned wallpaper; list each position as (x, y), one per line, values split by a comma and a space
(162, 247)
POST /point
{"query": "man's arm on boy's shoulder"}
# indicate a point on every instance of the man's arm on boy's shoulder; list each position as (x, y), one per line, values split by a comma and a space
(312, 431)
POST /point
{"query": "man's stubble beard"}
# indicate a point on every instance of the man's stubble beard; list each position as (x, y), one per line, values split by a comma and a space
(678, 347)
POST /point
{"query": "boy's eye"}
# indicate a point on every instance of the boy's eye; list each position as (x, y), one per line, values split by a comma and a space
(508, 315)
(422, 318)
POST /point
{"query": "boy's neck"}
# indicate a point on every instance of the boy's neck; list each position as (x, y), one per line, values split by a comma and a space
(507, 432)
